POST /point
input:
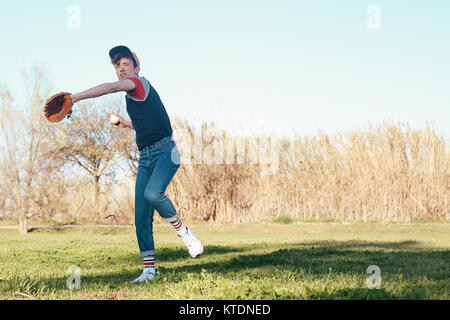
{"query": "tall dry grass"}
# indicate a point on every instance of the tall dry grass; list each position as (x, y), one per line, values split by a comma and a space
(387, 173)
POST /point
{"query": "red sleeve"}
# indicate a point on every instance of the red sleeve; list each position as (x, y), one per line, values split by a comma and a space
(139, 91)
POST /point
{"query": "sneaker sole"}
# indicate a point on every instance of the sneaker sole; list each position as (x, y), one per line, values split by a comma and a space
(157, 273)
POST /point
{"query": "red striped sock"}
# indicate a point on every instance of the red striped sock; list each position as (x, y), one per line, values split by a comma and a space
(149, 262)
(178, 226)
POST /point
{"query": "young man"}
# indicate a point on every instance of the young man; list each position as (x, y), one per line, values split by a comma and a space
(159, 156)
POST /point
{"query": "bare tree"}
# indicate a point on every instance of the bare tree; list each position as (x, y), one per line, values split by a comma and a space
(92, 143)
(26, 148)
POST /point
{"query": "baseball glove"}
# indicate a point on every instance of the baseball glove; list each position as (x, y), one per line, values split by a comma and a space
(58, 106)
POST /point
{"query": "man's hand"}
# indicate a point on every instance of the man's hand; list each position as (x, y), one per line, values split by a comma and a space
(122, 122)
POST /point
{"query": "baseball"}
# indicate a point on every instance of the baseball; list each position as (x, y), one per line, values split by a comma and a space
(114, 119)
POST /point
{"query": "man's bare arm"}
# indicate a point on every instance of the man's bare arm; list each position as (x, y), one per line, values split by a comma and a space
(105, 88)
(126, 124)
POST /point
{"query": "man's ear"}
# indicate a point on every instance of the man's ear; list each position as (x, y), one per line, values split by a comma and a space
(137, 69)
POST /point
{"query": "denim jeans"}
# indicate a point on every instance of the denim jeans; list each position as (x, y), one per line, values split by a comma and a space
(158, 164)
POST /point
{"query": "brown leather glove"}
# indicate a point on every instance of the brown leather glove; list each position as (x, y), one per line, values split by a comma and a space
(58, 106)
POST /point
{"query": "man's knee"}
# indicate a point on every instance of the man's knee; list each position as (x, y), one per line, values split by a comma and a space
(153, 197)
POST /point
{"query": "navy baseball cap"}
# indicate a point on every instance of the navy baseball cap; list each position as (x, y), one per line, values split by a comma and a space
(119, 52)
(122, 50)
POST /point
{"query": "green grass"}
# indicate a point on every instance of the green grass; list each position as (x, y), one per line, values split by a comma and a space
(283, 219)
(240, 261)
(9, 222)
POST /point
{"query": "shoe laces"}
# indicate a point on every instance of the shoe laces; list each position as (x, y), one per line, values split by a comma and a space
(187, 238)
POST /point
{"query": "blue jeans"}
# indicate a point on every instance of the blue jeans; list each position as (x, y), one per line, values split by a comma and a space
(158, 164)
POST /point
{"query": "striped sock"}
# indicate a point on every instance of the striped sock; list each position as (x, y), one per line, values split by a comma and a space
(179, 227)
(149, 262)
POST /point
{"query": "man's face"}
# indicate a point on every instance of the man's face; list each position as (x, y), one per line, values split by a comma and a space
(125, 69)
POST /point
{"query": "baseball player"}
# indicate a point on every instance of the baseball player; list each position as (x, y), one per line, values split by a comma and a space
(159, 157)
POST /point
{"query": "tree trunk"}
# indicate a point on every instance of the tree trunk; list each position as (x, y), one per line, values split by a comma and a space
(97, 196)
(23, 222)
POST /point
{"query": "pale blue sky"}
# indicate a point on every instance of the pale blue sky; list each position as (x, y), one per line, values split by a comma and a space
(280, 65)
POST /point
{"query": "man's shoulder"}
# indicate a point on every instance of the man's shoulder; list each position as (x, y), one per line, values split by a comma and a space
(143, 79)
(142, 90)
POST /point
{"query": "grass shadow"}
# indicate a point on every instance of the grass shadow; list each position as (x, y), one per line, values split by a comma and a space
(166, 254)
(318, 257)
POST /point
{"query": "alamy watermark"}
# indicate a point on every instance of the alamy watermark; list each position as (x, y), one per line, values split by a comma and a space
(74, 281)
(374, 19)
(210, 147)
(73, 21)
(374, 281)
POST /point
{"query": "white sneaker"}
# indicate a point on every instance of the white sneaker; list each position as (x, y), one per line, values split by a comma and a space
(194, 245)
(146, 275)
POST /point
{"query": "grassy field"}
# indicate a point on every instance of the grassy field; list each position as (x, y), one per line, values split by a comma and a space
(240, 261)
